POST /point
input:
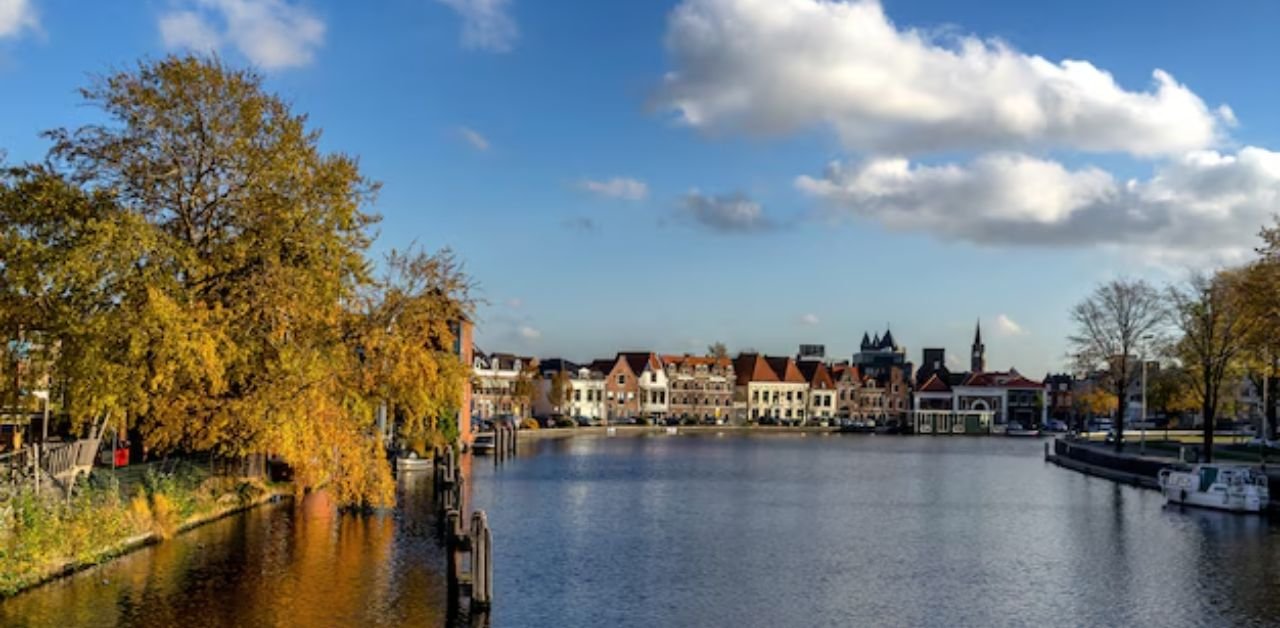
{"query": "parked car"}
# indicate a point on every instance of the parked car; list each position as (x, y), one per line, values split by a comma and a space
(582, 421)
(1099, 425)
(1055, 425)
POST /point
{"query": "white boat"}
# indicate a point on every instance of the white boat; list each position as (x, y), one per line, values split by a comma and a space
(483, 444)
(1016, 429)
(1238, 488)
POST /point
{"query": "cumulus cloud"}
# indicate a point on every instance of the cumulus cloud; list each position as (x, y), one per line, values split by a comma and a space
(778, 66)
(486, 24)
(272, 34)
(1006, 326)
(809, 319)
(623, 188)
(474, 138)
(17, 16)
(529, 333)
(1203, 203)
(734, 213)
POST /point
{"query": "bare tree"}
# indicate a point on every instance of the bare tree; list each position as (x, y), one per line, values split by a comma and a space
(718, 350)
(1215, 332)
(1110, 325)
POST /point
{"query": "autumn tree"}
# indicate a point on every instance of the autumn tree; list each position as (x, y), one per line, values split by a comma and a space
(1214, 330)
(525, 388)
(1110, 325)
(199, 264)
(559, 389)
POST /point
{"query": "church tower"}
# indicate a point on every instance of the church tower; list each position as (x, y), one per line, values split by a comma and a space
(978, 361)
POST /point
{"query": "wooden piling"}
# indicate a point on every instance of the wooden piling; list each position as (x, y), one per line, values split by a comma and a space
(481, 561)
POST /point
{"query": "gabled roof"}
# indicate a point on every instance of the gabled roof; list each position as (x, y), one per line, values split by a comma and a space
(603, 365)
(934, 384)
(841, 371)
(786, 370)
(817, 374)
(998, 379)
(752, 367)
(640, 360)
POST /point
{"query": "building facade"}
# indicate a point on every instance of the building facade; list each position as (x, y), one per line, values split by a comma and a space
(584, 397)
(495, 381)
(700, 388)
(772, 389)
(823, 404)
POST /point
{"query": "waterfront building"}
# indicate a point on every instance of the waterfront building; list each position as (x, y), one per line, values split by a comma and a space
(880, 354)
(584, 396)
(978, 401)
(635, 385)
(463, 347)
(823, 404)
(847, 381)
(495, 384)
(700, 387)
(812, 353)
(1059, 397)
(772, 388)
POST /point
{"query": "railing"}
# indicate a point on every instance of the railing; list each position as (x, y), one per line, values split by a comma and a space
(65, 461)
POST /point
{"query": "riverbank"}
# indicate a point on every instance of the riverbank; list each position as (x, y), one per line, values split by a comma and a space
(43, 539)
(661, 430)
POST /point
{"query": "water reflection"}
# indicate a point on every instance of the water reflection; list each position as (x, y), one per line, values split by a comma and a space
(715, 531)
(300, 564)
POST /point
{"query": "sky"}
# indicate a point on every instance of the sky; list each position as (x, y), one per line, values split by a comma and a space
(662, 175)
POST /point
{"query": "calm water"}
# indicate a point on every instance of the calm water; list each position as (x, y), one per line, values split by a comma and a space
(775, 530)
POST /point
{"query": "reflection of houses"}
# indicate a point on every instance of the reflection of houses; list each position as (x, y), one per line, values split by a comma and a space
(980, 401)
(822, 390)
(773, 389)
(700, 387)
(494, 379)
(583, 397)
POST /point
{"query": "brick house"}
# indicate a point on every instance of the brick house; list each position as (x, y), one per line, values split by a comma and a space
(700, 387)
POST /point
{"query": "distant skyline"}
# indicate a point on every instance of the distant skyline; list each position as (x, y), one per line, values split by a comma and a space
(764, 173)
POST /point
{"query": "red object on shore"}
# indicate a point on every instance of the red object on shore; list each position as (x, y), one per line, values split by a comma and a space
(122, 457)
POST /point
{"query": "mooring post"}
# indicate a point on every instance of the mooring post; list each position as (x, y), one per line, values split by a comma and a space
(515, 440)
(1046, 450)
(451, 519)
(481, 561)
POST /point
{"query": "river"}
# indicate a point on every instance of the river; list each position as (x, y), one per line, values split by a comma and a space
(716, 530)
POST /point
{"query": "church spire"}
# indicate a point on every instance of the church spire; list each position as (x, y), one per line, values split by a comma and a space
(978, 359)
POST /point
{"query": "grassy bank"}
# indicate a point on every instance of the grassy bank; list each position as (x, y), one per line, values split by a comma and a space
(46, 536)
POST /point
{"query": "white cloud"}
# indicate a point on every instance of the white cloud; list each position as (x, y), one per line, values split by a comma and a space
(1006, 326)
(529, 333)
(734, 213)
(486, 24)
(474, 138)
(809, 319)
(17, 16)
(273, 34)
(515, 303)
(778, 66)
(1204, 204)
(623, 188)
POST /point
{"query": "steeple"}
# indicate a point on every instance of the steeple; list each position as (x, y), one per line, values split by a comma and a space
(978, 359)
(866, 341)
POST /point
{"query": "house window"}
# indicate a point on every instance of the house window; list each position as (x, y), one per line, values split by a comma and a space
(653, 377)
(622, 380)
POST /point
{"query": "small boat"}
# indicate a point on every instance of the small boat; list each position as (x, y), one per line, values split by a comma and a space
(859, 427)
(1237, 488)
(1016, 429)
(483, 444)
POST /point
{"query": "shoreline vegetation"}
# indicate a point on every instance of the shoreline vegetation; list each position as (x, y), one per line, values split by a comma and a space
(46, 537)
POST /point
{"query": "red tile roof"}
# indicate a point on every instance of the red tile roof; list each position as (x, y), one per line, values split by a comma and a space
(786, 370)
(817, 374)
(752, 367)
(934, 384)
(696, 360)
(998, 379)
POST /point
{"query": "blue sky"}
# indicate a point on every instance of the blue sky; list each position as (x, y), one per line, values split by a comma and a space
(654, 175)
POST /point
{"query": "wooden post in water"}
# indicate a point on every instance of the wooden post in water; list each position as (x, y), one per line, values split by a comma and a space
(451, 550)
(481, 561)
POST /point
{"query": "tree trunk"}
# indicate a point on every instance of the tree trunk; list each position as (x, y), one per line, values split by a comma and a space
(1122, 391)
(1206, 411)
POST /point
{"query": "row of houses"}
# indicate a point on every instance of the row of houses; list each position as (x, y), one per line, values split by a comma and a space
(877, 385)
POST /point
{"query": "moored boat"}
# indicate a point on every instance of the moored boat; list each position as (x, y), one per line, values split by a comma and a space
(1016, 429)
(483, 444)
(1237, 488)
